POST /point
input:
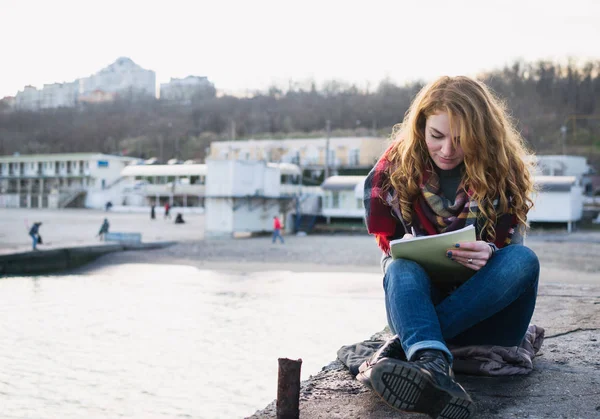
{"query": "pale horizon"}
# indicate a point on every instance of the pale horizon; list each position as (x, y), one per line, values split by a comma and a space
(244, 47)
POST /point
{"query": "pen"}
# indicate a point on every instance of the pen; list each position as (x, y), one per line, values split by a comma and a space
(414, 233)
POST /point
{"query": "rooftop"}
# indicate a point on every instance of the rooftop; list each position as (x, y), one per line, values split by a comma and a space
(62, 156)
(338, 183)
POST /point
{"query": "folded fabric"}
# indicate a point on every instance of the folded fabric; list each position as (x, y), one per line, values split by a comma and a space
(487, 360)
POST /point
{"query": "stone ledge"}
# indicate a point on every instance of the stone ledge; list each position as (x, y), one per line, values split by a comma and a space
(565, 382)
(57, 260)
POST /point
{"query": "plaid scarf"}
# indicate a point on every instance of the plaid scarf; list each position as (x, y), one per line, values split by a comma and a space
(432, 212)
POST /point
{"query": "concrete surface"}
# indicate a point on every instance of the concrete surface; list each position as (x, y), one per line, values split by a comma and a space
(565, 382)
(78, 227)
(56, 260)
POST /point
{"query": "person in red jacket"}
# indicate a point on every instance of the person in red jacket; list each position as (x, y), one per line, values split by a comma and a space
(277, 229)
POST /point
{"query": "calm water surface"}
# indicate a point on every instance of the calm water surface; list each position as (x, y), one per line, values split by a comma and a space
(156, 341)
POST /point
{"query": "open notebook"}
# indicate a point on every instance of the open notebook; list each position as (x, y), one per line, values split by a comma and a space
(430, 253)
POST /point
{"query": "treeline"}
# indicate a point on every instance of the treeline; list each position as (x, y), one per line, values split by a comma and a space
(543, 98)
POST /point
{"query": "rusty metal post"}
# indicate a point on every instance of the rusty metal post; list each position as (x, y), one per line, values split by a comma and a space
(288, 389)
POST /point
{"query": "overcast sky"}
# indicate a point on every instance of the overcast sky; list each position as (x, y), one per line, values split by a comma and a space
(244, 45)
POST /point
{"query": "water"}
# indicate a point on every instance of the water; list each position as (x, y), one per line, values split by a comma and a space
(156, 341)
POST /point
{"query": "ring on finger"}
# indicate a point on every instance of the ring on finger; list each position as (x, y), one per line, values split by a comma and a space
(470, 260)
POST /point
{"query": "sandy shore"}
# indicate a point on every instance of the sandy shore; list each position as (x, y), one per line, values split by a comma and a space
(78, 227)
(570, 258)
(566, 262)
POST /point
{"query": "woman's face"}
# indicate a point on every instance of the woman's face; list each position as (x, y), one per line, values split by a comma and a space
(439, 141)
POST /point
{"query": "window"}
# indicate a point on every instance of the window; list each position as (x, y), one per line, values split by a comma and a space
(354, 157)
(335, 200)
(331, 161)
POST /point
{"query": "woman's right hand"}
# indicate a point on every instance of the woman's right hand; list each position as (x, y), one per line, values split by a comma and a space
(407, 236)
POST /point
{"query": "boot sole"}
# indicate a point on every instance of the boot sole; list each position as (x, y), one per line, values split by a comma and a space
(366, 381)
(406, 388)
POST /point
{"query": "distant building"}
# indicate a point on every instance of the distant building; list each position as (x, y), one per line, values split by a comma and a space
(7, 103)
(57, 95)
(59, 180)
(343, 197)
(183, 185)
(559, 165)
(243, 196)
(29, 99)
(309, 153)
(98, 96)
(184, 90)
(121, 76)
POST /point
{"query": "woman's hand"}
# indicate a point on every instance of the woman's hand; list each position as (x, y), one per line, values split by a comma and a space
(473, 255)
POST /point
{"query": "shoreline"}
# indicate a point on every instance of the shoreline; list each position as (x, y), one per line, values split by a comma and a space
(561, 262)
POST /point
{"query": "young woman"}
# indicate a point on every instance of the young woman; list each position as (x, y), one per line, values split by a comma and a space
(456, 160)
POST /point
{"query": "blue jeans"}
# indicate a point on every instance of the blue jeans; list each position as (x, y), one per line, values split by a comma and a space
(493, 307)
(34, 238)
(276, 234)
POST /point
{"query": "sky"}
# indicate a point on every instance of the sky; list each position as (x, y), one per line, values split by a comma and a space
(243, 46)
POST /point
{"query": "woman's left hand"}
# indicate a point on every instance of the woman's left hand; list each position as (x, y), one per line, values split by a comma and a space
(473, 255)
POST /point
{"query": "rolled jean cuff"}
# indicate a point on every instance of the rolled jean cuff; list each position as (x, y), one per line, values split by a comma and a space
(428, 344)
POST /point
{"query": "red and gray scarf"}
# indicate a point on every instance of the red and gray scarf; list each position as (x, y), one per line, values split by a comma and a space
(432, 212)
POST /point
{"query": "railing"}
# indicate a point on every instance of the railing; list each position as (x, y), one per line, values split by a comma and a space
(311, 190)
(115, 182)
(64, 202)
(167, 189)
(287, 189)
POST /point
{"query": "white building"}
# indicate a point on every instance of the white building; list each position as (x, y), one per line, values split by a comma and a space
(180, 185)
(184, 90)
(59, 180)
(558, 165)
(57, 95)
(183, 185)
(559, 199)
(29, 99)
(243, 196)
(121, 76)
(343, 197)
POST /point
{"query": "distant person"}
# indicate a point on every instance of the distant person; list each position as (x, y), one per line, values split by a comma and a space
(34, 232)
(179, 219)
(103, 229)
(167, 211)
(153, 212)
(108, 206)
(277, 229)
